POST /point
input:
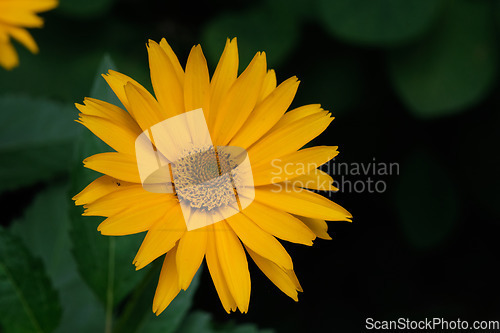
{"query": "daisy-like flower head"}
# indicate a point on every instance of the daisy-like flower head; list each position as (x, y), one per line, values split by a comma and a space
(15, 17)
(212, 168)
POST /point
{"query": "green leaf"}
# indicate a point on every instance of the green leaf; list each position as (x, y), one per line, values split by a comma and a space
(454, 68)
(28, 302)
(59, 72)
(197, 322)
(268, 27)
(44, 228)
(426, 200)
(36, 139)
(104, 262)
(84, 8)
(380, 22)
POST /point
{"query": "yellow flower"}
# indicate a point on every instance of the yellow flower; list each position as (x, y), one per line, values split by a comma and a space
(15, 16)
(245, 111)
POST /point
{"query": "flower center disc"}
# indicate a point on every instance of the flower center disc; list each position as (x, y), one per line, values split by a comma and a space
(204, 178)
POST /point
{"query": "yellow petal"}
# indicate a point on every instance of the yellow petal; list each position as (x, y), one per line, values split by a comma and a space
(99, 188)
(298, 113)
(279, 223)
(24, 18)
(31, 5)
(234, 265)
(122, 199)
(276, 274)
(8, 55)
(224, 76)
(301, 202)
(138, 217)
(294, 279)
(168, 89)
(173, 60)
(113, 113)
(218, 278)
(117, 165)
(143, 107)
(240, 101)
(162, 237)
(117, 137)
(318, 226)
(315, 180)
(285, 140)
(117, 82)
(168, 285)
(268, 85)
(292, 165)
(23, 37)
(190, 252)
(197, 82)
(266, 114)
(260, 241)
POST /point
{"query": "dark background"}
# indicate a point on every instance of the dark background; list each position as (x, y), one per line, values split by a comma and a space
(410, 82)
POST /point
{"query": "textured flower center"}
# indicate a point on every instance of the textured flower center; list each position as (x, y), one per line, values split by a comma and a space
(204, 178)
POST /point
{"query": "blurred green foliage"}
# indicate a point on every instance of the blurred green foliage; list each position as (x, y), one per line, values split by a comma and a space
(411, 81)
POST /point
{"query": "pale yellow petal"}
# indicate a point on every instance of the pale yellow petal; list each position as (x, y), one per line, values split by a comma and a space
(190, 253)
(224, 76)
(234, 265)
(218, 278)
(276, 274)
(301, 202)
(260, 241)
(266, 113)
(168, 89)
(168, 285)
(241, 98)
(161, 237)
(292, 165)
(117, 165)
(279, 223)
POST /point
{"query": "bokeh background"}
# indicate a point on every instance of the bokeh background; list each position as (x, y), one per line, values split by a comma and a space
(410, 82)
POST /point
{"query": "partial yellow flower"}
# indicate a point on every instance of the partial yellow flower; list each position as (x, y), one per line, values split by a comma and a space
(15, 17)
(247, 111)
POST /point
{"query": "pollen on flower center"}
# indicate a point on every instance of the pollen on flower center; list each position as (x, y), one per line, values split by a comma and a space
(204, 178)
